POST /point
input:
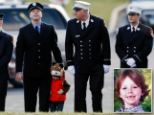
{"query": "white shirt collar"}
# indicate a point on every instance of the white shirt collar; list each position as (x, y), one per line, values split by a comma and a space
(136, 26)
(37, 24)
(86, 22)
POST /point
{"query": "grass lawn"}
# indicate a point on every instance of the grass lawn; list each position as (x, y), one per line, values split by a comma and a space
(54, 114)
(68, 114)
(101, 8)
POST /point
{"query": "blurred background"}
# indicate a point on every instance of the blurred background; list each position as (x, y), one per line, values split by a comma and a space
(57, 13)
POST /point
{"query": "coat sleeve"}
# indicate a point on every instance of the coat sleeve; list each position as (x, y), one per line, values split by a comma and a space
(4, 60)
(20, 50)
(55, 48)
(69, 46)
(66, 86)
(147, 47)
(119, 47)
(106, 51)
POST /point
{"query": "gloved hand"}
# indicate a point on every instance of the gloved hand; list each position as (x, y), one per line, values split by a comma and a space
(61, 91)
(106, 68)
(131, 62)
(71, 69)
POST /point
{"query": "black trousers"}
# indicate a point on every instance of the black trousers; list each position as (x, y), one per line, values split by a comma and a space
(56, 106)
(96, 77)
(33, 86)
(3, 93)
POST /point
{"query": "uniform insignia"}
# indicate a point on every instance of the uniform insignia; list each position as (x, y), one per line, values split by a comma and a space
(77, 21)
(128, 28)
(138, 29)
(92, 20)
(77, 36)
(34, 4)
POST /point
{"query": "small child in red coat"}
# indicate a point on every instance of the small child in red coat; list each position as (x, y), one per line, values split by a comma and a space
(59, 88)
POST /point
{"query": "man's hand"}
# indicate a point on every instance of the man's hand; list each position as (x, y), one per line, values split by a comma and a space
(19, 76)
(131, 62)
(106, 68)
(71, 69)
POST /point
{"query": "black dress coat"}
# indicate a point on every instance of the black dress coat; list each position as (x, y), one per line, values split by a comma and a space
(87, 48)
(6, 48)
(34, 50)
(137, 45)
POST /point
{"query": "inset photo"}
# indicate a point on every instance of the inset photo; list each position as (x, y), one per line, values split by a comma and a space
(133, 90)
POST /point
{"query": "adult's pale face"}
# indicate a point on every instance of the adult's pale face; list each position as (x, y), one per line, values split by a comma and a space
(133, 18)
(130, 93)
(81, 14)
(36, 15)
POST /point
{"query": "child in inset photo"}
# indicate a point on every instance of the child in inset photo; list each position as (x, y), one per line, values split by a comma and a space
(131, 90)
(59, 88)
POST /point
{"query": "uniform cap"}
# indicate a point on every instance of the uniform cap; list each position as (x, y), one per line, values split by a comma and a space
(133, 9)
(35, 5)
(81, 5)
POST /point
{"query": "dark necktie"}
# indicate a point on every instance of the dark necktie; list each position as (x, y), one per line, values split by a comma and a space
(37, 29)
(84, 26)
(133, 29)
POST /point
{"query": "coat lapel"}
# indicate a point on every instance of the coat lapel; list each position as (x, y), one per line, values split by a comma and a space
(34, 33)
(42, 30)
(78, 23)
(91, 24)
(139, 28)
(137, 33)
(129, 36)
(89, 28)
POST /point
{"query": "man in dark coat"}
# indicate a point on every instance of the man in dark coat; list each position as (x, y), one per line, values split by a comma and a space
(6, 47)
(36, 41)
(91, 59)
(134, 41)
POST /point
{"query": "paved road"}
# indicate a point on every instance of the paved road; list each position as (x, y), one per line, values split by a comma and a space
(15, 97)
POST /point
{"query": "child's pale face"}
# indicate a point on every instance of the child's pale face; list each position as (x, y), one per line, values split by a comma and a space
(130, 93)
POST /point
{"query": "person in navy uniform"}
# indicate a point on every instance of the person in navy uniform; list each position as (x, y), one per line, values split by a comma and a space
(87, 48)
(6, 47)
(134, 41)
(35, 43)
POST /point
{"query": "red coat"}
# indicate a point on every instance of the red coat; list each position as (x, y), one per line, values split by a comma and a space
(56, 85)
